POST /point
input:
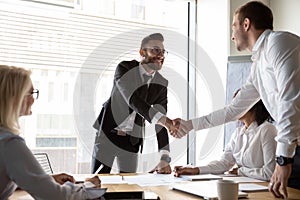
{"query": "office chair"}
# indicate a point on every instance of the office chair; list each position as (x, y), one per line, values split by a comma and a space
(44, 161)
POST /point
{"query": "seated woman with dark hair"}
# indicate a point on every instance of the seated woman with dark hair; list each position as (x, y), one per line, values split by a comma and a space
(251, 147)
(18, 166)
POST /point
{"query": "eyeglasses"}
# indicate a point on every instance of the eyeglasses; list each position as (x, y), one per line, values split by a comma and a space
(35, 93)
(157, 51)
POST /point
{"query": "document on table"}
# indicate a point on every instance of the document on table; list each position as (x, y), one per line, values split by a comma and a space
(110, 179)
(200, 177)
(241, 179)
(250, 187)
(152, 179)
(115, 179)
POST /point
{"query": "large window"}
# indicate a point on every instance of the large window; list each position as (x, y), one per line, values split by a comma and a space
(73, 52)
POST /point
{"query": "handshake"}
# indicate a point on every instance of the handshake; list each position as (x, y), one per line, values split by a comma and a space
(176, 127)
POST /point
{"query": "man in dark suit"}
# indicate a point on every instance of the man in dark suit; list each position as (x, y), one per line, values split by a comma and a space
(139, 93)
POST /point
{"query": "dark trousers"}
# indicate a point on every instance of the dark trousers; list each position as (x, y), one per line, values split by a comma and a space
(294, 180)
(107, 148)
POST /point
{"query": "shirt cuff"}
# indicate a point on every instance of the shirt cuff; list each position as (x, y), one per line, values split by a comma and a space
(164, 152)
(195, 123)
(204, 170)
(286, 150)
(157, 117)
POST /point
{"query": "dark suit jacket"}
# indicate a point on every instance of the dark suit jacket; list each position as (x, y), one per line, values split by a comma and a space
(128, 95)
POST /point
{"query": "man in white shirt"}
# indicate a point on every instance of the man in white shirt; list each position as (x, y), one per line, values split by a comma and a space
(275, 79)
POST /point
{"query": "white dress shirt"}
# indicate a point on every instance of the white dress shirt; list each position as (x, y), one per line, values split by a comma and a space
(274, 78)
(252, 149)
(128, 123)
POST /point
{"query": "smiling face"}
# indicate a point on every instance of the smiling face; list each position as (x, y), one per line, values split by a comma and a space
(153, 55)
(239, 35)
(27, 103)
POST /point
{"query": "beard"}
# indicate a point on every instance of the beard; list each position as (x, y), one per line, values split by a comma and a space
(154, 66)
(242, 41)
(153, 63)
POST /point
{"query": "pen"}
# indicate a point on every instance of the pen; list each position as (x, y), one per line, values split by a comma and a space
(98, 170)
(177, 168)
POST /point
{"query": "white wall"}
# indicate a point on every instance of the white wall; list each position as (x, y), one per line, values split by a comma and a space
(286, 15)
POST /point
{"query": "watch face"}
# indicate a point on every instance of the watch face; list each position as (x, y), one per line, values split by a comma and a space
(166, 158)
(280, 160)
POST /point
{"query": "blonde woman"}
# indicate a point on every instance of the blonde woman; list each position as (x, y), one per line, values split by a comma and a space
(18, 167)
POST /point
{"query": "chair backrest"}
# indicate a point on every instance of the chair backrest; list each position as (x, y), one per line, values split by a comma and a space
(44, 161)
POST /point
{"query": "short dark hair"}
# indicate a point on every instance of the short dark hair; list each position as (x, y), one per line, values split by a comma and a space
(261, 112)
(154, 36)
(258, 13)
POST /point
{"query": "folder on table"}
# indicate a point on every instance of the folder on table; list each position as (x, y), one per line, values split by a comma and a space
(200, 177)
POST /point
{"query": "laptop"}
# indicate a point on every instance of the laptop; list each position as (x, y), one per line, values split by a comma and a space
(204, 189)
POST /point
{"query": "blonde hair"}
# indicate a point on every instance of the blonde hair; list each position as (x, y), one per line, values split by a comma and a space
(14, 84)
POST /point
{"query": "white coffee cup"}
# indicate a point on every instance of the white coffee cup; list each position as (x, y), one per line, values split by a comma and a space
(227, 190)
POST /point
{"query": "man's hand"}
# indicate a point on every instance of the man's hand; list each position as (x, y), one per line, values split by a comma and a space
(168, 124)
(183, 127)
(279, 180)
(162, 168)
(62, 178)
(179, 170)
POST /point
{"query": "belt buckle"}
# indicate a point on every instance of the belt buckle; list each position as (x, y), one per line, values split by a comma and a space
(121, 133)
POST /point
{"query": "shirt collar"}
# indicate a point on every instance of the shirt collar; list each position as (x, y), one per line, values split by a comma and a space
(251, 128)
(258, 43)
(143, 71)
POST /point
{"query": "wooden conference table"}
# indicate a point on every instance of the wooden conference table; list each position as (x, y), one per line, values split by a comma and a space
(167, 194)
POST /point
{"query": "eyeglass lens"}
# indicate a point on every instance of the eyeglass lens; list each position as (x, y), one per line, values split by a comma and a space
(157, 51)
(35, 93)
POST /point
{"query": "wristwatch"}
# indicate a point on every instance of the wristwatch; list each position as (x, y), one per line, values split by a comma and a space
(166, 158)
(282, 161)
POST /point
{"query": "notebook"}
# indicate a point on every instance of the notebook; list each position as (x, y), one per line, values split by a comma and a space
(200, 177)
(204, 189)
(250, 187)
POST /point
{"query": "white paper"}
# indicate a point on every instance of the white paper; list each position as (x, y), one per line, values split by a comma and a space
(200, 177)
(242, 179)
(247, 187)
(110, 179)
(152, 179)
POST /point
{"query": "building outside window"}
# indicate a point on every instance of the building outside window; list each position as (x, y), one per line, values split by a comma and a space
(73, 52)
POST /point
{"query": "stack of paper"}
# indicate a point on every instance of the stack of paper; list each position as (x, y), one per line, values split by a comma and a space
(200, 177)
